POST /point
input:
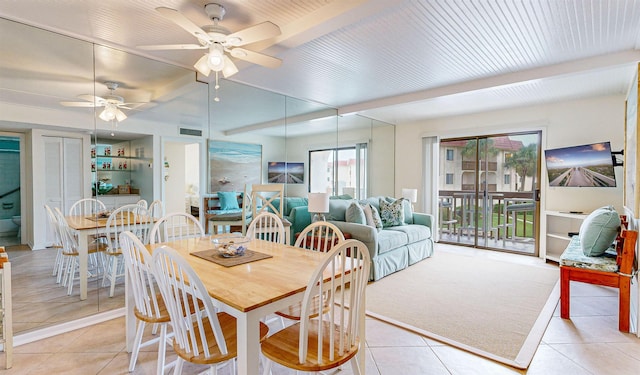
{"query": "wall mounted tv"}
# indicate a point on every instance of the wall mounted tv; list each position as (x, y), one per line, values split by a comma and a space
(588, 165)
(285, 172)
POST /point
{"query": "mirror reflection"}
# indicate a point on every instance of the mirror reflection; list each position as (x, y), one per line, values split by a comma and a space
(136, 129)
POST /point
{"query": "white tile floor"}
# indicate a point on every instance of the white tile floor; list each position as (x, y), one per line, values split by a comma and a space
(589, 343)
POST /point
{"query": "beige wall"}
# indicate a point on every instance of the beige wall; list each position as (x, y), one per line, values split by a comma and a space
(563, 124)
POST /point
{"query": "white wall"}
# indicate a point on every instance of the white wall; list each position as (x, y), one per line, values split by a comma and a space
(174, 185)
(563, 124)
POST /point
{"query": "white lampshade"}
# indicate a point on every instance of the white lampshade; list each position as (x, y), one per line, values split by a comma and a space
(410, 194)
(318, 203)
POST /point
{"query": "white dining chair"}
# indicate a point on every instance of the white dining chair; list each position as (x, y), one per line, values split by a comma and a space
(267, 226)
(319, 236)
(149, 305)
(142, 203)
(52, 221)
(203, 335)
(156, 209)
(133, 218)
(175, 226)
(87, 207)
(314, 344)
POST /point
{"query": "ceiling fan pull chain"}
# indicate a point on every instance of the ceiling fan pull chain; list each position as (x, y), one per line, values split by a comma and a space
(217, 86)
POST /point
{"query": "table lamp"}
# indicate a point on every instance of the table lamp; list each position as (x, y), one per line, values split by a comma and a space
(318, 205)
(411, 195)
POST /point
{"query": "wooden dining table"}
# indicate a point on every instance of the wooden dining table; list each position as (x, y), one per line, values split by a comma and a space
(86, 227)
(248, 291)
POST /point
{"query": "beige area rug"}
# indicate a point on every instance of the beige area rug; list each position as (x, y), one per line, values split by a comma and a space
(492, 308)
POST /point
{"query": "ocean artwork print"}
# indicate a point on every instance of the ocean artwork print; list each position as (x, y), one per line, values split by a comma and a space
(232, 165)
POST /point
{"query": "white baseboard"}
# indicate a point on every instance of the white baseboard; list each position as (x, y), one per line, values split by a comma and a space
(29, 337)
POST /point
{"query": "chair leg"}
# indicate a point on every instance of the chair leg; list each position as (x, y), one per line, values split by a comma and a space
(355, 366)
(162, 349)
(565, 295)
(267, 367)
(625, 294)
(136, 345)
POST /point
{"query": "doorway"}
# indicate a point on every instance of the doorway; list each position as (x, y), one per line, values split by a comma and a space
(10, 190)
(181, 176)
(489, 191)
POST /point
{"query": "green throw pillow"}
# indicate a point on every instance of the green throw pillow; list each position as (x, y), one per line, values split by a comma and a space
(372, 216)
(355, 214)
(228, 200)
(392, 214)
(599, 230)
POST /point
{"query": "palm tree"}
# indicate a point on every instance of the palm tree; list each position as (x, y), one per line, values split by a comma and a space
(524, 162)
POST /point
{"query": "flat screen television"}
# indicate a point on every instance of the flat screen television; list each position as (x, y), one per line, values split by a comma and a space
(285, 172)
(588, 165)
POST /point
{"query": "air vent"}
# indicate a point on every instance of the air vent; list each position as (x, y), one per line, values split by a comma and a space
(194, 132)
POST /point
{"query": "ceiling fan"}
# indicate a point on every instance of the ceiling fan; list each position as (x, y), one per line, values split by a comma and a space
(220, 42)
(112, 103)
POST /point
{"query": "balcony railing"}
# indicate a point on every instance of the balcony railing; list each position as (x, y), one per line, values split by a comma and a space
(492, 166)
(503, 216)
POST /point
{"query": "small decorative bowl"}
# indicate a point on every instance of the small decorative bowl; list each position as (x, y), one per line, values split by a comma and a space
(230, 245)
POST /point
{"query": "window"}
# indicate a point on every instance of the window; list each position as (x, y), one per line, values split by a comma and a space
(507, 179)
(339, 170)
(449, 179)
(507, 156)
(449, 154)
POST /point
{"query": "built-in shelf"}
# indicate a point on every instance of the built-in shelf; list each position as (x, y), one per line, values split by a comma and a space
(558, 226)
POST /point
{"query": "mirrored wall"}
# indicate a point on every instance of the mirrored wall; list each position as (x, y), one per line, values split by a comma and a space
(70, 151)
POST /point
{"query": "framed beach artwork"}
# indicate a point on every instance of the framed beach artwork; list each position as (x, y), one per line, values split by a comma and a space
(280, 172)
(232, 165)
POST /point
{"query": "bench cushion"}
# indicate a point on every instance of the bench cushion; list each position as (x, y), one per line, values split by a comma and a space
(599, 230)
(573, 256)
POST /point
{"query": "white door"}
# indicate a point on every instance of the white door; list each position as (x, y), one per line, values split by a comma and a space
(63, 174)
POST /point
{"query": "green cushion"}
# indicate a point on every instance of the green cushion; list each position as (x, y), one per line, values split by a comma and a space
(599, 230)
(392, 214)
(228, 200)
(355, 214)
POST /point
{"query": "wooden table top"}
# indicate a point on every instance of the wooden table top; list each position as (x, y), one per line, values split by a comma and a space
(251, 285)
(86, 222)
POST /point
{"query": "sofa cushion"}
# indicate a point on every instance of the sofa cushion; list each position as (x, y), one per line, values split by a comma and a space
(338, 209)
(355, 214)
(389, 240)
(408, 211)
(392, 214)
(372, 216)
(599, 230)
(415, 233)
(228, 200)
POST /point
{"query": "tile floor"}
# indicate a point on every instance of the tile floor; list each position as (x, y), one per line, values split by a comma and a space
(589, 343)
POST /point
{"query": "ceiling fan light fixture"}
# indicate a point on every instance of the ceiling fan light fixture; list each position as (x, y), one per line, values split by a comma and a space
(109, 112)
(120, 116)
(229, 67)
(202, 65)
(216, 57)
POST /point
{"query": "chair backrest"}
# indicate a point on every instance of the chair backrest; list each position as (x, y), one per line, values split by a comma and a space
(142, 203)
(346, 264)
(188, 303)
(138, 262)
(267, 226)
(53, 226)
(65, 233)
(176, 226)
(264, 197)
(86, 207)
(156, 209)
(133, 218)
(319, 236)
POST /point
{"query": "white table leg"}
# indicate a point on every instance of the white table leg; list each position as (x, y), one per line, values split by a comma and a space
(129, 318)
(248, 343)
(83, 255)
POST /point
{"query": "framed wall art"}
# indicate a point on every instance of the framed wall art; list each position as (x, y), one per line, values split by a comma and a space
(232, 165)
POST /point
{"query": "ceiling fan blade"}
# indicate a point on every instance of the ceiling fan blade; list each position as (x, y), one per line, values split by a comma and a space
(171, 46)
(261, 31)
(131, 105)
(256, 57)
(182, 21)
(98, 101)
(78, 104)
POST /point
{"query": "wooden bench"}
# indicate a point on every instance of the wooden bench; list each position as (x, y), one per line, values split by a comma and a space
(614, 270)
(237, 220)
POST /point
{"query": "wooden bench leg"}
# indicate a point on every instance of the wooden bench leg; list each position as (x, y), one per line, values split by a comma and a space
(565, 295)
(623, 311)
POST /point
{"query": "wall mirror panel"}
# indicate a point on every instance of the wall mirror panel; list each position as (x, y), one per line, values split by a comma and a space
(169, 105)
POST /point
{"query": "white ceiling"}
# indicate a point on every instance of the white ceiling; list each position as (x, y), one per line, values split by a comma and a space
(396, 61)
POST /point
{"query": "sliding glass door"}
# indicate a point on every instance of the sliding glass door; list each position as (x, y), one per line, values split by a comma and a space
(488, 191)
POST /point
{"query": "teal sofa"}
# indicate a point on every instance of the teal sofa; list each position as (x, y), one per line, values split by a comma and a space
(294, 209)
(392, 248)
